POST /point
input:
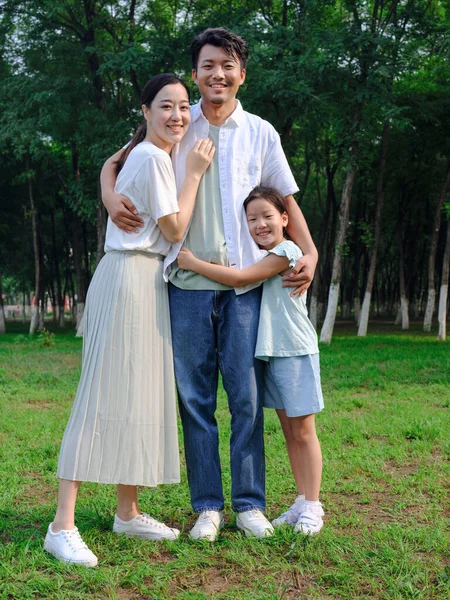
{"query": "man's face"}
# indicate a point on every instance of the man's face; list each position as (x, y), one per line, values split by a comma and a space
(218, 75)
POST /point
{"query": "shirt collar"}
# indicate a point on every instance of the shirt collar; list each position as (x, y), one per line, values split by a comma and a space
(236, 116)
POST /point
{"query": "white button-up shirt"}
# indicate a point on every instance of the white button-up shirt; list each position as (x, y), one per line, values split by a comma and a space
(250, 154)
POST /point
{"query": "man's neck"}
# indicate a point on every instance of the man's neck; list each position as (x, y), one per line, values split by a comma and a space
(217, 114)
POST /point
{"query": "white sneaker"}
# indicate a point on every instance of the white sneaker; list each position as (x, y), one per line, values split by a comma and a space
(67, 546)
(290, 517)
(208, 525)
(254, 524)
(145, 527)
(310, 520)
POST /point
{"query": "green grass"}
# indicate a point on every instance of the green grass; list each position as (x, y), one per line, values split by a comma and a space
(385, 435)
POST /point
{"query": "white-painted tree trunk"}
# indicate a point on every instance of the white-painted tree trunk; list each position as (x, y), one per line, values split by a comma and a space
(80, 313)
(429, 310)
(364, 315)
(41, 318)
(431, 300)
(328, 325)
(442, 312)
(2, 310)
(443, 295)
(398, 318)
(344, 209)
(2, 319)
(404, 312)
(34, 324)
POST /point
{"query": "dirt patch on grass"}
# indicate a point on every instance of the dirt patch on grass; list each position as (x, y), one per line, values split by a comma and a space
(392, 467)
(222, 580)
(127, 594)
(382, 508)
(36, 490)
(37, 404)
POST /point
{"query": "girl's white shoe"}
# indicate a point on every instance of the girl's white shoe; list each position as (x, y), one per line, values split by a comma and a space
(310, 520)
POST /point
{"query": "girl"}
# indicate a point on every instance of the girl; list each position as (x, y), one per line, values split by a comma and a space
(123, 427)
(287, 341)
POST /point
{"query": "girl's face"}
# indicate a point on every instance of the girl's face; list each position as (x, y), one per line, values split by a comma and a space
(265, 223)
(168, 116)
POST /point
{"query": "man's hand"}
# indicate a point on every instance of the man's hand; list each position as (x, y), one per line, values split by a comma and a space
(301, 275)
(123, 213)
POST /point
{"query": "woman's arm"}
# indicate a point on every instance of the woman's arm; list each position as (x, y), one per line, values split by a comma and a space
(198, 160)
(267, 267)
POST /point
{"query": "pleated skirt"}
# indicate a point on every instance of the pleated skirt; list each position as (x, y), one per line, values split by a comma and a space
(123, 424)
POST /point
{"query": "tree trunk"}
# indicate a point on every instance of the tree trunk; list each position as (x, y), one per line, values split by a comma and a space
(357, 309)
(59, 291)
(364, 317)
(443, 294)
(2, 312)
(314, 299)
(432, 256)
(403, 297)
(77, 247)
(38, 266)
(333, 295)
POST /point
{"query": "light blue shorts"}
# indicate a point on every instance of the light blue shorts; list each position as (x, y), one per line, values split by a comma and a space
(292, 383)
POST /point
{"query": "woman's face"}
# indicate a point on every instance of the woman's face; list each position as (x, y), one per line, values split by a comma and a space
(168, 116)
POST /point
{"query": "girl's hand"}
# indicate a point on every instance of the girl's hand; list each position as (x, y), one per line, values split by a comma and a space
(186, 259)
(200, 157)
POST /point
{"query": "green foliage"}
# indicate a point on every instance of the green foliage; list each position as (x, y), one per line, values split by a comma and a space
(328, 75)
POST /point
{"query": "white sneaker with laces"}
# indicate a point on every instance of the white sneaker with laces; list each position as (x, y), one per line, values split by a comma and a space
(310, 520)
(254, 524)
(68, 547)
(208, 525)
(291, 515)
(145, 527)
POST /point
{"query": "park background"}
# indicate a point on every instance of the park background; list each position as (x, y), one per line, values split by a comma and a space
(359, 92)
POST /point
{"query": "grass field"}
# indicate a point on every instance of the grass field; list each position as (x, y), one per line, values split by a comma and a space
(385, 435)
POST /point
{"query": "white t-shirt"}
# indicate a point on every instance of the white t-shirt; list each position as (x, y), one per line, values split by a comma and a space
(147, 179)
(284, 327)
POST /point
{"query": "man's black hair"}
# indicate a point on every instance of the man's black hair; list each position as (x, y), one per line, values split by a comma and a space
(220, 37)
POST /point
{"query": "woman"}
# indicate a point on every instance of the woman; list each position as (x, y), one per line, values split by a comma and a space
(123, 428)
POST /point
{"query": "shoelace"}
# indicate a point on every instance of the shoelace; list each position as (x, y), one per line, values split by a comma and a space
(75, 540)
(151, 521)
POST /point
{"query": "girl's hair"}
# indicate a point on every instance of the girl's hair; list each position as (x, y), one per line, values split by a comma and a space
(266, 193)
(151, 88)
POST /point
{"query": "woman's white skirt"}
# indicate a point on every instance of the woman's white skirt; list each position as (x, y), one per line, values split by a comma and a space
(123, 425)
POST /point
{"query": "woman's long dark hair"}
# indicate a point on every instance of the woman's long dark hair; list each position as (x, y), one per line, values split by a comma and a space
(151, 88)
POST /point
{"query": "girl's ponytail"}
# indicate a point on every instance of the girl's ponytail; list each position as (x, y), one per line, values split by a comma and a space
(139, 136)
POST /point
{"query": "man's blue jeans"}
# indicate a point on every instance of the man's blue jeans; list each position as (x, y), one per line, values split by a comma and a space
(214, 330)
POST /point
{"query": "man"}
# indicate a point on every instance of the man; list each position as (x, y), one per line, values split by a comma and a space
(214, 327)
